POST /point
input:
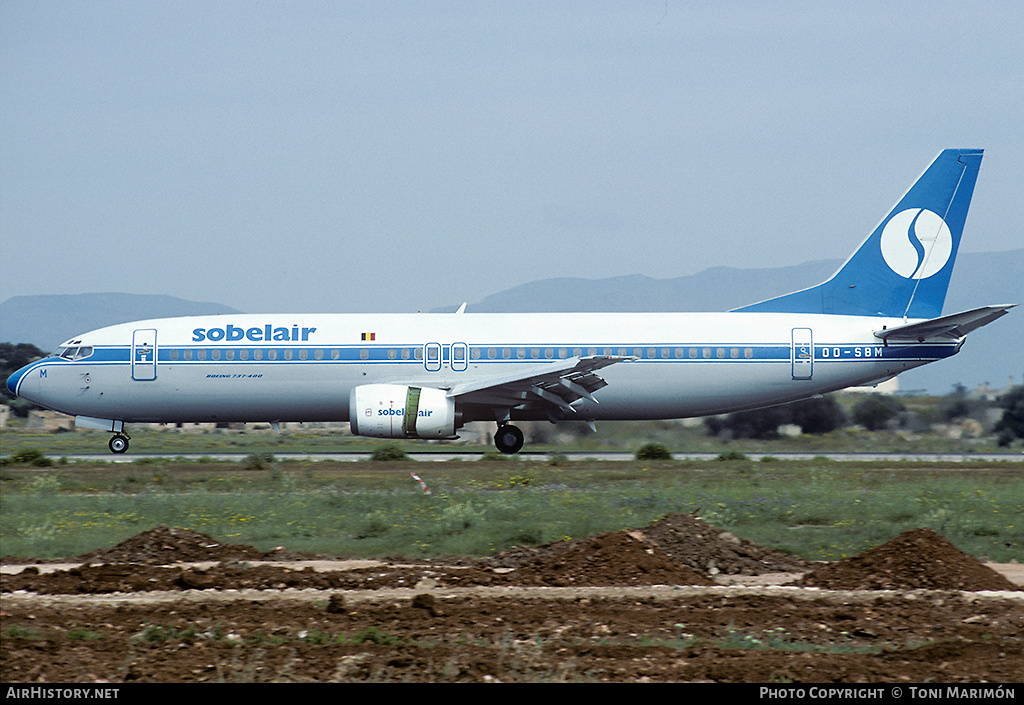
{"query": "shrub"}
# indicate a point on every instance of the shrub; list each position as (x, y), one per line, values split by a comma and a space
(387, 453)
(1011, 425)
(653, 451)
(875, 411)
(816, 415)
(29, 456)
(258, 461)
(732, 455)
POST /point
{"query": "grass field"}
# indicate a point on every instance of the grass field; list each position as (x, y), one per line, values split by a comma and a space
(816, 509)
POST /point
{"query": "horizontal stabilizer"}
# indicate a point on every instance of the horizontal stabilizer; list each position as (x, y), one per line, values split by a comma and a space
(954, 326)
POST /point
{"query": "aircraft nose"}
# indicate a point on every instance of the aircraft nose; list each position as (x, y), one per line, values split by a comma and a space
(14, 381)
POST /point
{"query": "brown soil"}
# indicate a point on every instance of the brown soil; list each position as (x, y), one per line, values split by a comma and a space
(679, 600)
(915, 559)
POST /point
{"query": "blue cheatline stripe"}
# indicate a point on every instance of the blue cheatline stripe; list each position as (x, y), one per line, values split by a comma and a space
(482, 355)
(479, 355)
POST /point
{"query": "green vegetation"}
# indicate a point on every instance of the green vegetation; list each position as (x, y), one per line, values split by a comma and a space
(12, 358)
(653, 451)
(1011, 424)
(388, 452)
(816, 509)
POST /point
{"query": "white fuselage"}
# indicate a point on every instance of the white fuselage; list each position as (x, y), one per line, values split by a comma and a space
(303, 367)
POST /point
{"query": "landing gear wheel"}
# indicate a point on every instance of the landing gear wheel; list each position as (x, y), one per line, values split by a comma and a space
(508, 439)
(118, 444)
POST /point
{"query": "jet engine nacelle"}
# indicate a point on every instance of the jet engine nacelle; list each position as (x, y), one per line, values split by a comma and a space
(399, 411)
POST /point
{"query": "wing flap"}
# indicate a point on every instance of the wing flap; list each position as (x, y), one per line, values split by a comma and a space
(558, 384)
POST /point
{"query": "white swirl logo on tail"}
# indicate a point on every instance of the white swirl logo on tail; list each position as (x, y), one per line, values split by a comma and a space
(916, 243)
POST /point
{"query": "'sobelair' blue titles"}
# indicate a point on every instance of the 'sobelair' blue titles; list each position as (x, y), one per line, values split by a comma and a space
(255, 334)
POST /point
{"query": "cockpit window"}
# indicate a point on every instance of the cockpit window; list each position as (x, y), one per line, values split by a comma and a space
(74, 353)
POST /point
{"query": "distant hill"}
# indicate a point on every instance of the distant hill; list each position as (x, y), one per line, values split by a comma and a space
(47, 321)
(991, 355)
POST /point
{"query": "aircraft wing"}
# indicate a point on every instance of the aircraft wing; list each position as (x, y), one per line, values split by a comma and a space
(557, 384)
(954, 326)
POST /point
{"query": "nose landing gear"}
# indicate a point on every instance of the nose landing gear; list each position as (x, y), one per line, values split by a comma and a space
(119, 443)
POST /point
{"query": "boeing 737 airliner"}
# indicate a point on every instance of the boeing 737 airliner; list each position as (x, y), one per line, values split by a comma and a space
(425, 375)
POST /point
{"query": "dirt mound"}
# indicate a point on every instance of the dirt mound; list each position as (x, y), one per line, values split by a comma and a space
(916, 559)
(163, 544)
(687, 541)
(710, 550)
(613, 558)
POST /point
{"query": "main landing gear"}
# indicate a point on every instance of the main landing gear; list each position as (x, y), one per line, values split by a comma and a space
(508, 438)
(119, 443)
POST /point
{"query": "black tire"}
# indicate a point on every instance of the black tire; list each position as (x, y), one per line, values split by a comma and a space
(118, 444)
(508, 439)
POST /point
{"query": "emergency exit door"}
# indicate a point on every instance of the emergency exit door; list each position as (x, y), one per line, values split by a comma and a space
(802, 354)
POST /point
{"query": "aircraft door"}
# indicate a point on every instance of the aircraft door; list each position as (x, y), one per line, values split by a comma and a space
(802, 353)
(460, 355)
(432, 357)
(436, 356)
(144, 355)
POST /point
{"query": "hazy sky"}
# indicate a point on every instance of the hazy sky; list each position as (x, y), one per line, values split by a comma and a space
(398, 156)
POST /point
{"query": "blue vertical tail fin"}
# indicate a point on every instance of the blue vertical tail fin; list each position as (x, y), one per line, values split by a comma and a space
(903, 268)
